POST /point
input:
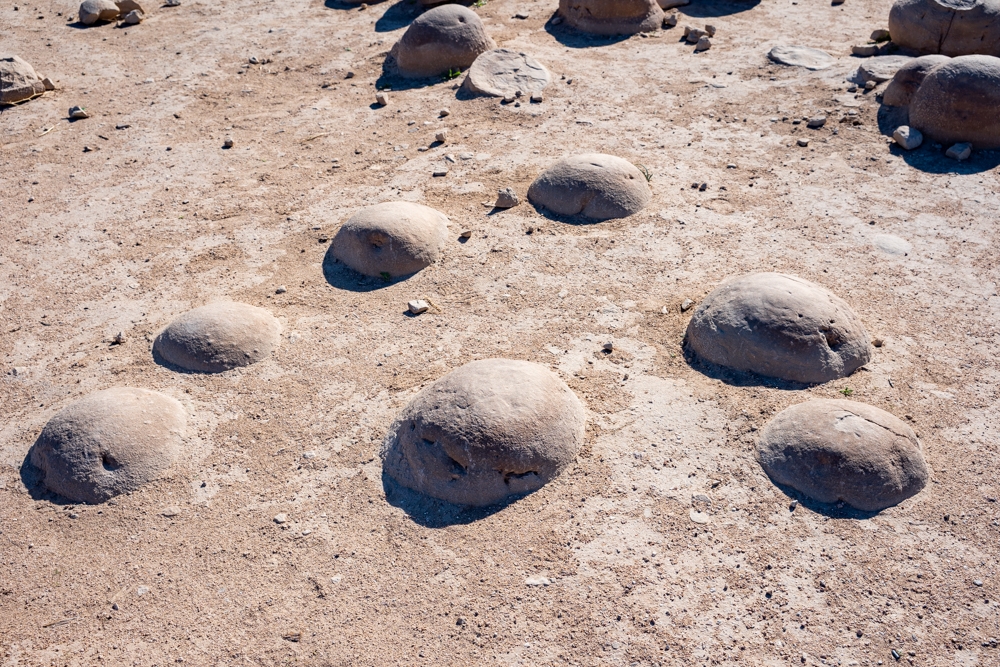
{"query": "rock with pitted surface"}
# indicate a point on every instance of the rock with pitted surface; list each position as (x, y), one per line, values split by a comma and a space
(391, 239)
(485, 433)
(442, 39)
(219, 337)
(108, 443)
(18, 81)
(92, 11)
(779, 326)
(503, 71)
(837, 450)
(595, 186)
(949, 27)
(612, 17)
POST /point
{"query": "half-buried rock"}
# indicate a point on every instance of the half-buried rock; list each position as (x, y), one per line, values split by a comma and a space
(391, 239)
(781, 327)
(219, 337)
(108, 443)
(502, 72)
(18, 81)
(612, 17)
(950, 100)
(595, 186)
(485, 433)
(836, 450)
(948, 27)
(446, 38)
(801, 56)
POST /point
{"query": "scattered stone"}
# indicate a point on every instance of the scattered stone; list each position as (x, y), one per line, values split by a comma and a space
(500, 71)
(670, 21)
(391, 238)
(537, 581)
(692, 35)
(508, 98)
(486, 433)
(280, 518)
(792, 505)
(18, 81)
(844, 451)
(507, 198)
(170, 512)
(779, 326)
(816, 122)
(466, 234)
(949, 27)
(870, 85)
(444, 112)
(77, 113)
(109, 442)
(704, 44)
(381, 98)
(440, 172)
(710, 30)
(686, 305)
(521, 15)
(443, 38)
(48, 84)
(612, 17)
(865, 50)
(700, 517)
(92, 11)
(134, 17)
(596, 186)
(959, 152)
(803, 142)
(977, 582)
(281, 289)
(119, 338)
(801, 56)
(228, 143)
(536, 98)
(880, 35)
(907, 137)
(218, 337)
(173, 3)
(441, 136)
(418, 306)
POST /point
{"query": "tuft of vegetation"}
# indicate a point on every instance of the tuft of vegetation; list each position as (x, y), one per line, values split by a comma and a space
(385, 276)
(846, 391)
(479, 3)
(451, 74)
(646, 173)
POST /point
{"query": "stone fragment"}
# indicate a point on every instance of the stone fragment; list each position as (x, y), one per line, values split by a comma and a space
(126, 6)
(507, 198)
(92, 11)
(392, 238)
(440, 40)
(501, 71)
(670, 21)
(134, 17)
(18, 81)
(612, 17)
(880, 35)
(77, 113)
(959, 152)
(228, 143)
(381, 98)
(907, 137)
(595, 186)
(803, 143)
(801, 56)
(710, 30)
(441, 136)
(218, 337)
(864, 50)
(417, 306)
(816, 122)
(704, 44)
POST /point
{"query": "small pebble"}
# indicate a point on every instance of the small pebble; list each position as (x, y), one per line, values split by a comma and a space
(444, 112)
(792, 505)
(508, 98)
(441, 136)
(686, 305)
(228, 143)
(507, 198)
(907, 137)
(557, 20)
(119, 338)
(978, 582)
(134, 17)
(536, 98)
(710, 29)
(521, 15)
(281, 289)
(803, 142)
(959, 151)
(381, 98)
(280, 518)
(704, 44)
(608, 347)
(816, 122)
(864, 50)
(78, 112)
(880, 35)
(466, 234)
(417, 306)
(870, 85)
(440, 172)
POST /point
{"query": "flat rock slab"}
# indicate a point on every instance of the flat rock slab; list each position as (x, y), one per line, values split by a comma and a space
(882, 68)
(892, 245)
(503, 71)
(801, 56)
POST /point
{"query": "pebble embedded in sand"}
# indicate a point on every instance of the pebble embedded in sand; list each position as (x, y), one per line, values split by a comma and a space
(779, 326)
(485, 433)
(392, 238)
(612, 17)
(440, 40)
(500, 71)
(801, 56)
(837, 450)
(219, 337)
(108, 443)
(596, 186)
(18, 81)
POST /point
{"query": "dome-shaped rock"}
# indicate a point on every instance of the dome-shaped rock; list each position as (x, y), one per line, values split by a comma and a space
(395, 238)
(502, 71)
(957, 102)
(836, 450)
(779, 326)
(219, 337)
(92, 11)
(18, 81)
(948, 27)
(109, 442)
(908, 78)
(444, 38)
(594, 185)
(486, 432)
(612, 17)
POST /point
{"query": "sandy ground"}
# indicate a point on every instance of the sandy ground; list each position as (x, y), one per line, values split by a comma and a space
(605, 565)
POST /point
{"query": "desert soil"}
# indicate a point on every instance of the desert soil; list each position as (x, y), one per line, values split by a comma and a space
(665, 543)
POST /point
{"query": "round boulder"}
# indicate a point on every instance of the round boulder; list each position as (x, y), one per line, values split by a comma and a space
(92, 11)
(502, 71)
(594, 185)
(612, 17)
(444, 38)
(219, 337)
(948, 27)
(18, 81)
(779, 326)
(391, 239)
(836, 450)
(957, 102)
(908, 78)
(108, 443)
(485, 433)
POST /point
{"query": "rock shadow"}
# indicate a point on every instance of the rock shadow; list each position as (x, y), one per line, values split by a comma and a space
(565, 219)
(433, 513)
(928, 159)
(398, 15)
(733, 377)
(569, 36)
(703, 9)
(343, 277)
(838, 510)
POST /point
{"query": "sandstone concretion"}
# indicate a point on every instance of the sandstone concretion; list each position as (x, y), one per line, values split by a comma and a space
(949, 27)
(612, 17)
(502, 71)
(219, 337)
(595, 186)
(391, 239)
(449, 37)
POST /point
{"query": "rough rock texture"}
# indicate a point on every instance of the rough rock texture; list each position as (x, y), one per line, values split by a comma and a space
(908, 78)
(485, 432)
(948, 27)
(443, 38)
(957, 102)
(801, 56)
(108, 443)
(394, 238)
(92, 11)
(779, 326)
(127, 6)
(612, 17)
(18, 81)
(594, 185)
(502, 71)
(836, 450)
(219, 337)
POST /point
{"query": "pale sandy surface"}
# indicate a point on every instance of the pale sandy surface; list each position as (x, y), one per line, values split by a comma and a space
(126, 237)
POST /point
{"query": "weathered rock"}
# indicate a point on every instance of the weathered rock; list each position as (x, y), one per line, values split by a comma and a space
(502, 71)
(612, 17)
(444, 38)
(779, 326)
(109, 442)
(485, 433)
(957, 102)
(18, 81)
(864, 50)
(882, 68)
(908, 78)
(507, 198)
(77, 113)
(394, 238)
(134, 17)
(92, 11)
(959, 151)
(219, 337)
(594, 185)
(837, 450)
(801, 56)
(949, 27)
(704, 44)
(907, 137)
(126, 6)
